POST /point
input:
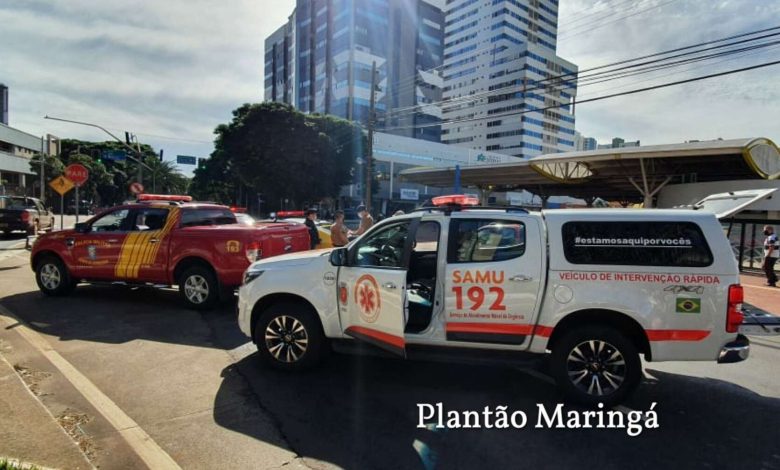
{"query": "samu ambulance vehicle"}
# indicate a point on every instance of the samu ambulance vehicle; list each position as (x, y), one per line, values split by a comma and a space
(593, 289)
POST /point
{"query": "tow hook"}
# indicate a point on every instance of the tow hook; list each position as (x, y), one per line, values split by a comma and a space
(735, 351)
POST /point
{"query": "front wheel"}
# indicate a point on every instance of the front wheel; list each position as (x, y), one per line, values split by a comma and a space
(596, 365)
(53, 277)
(289, 337)
(199, 288)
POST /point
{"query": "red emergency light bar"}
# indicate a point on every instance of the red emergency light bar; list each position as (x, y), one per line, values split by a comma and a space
(164, 197)
(282, 214)
(238, 210)
(455, 200)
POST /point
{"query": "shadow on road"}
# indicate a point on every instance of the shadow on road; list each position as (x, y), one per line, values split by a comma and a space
(361, 412)
(117, 314)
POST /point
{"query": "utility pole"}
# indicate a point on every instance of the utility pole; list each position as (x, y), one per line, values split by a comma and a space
(371, 123)
(43, 179)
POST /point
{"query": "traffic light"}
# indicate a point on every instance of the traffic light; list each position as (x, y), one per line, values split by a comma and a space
(127, 138)
(97, 155)
(161, 154)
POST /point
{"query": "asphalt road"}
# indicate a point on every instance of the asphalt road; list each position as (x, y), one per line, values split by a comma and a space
(194, 384)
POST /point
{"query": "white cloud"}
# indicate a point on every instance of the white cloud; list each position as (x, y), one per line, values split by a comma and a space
(179, 67)
(171, 68)
(740, 105)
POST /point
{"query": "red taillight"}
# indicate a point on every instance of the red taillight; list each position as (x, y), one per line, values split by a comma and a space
(254, 251)
(25, 216)
(734, 315)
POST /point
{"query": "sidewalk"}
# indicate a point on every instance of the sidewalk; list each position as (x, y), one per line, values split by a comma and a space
(28, 432)
(759, 295)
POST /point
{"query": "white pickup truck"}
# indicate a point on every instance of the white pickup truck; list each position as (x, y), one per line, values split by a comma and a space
(593, 288)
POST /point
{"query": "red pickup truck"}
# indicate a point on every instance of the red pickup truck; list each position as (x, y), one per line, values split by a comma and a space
(162, 241)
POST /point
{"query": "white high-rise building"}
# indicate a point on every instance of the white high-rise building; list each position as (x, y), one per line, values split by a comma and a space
(500, 73)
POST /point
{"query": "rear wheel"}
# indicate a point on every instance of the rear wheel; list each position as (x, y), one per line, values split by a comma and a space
(596, 365)
(53, 277)
(289, 337)
(199, 288)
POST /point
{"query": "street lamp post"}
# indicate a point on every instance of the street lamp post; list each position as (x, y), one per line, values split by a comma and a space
(138, 150)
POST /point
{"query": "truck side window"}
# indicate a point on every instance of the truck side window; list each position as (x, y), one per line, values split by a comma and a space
(111, 222)
(484, 240)
(149, 219)
(207, 216)
(652, 243)
(384, 248)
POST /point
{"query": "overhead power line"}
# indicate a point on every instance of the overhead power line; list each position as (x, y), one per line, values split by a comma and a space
(584, 76)
(599, 98)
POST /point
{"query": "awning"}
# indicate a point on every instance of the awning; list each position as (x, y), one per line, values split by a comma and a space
(631, 174)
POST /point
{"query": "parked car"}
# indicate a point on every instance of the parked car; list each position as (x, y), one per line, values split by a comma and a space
(597, 288)
(24, 213)
(85, 208)
(162, 241)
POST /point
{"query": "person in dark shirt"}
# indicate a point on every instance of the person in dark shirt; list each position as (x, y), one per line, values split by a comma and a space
(314, 234)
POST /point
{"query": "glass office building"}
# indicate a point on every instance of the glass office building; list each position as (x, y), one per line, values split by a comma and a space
(321, 61)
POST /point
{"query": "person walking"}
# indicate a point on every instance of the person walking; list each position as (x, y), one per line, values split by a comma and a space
(771, 253)
(314, 234)
(366, 221)
(338, 231)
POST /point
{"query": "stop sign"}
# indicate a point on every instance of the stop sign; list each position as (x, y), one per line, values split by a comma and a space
(77, 173)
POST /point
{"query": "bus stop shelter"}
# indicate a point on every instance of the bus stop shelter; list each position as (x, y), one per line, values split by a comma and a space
(628, 175)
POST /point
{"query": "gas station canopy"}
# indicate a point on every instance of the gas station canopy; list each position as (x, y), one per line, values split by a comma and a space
(631, 174)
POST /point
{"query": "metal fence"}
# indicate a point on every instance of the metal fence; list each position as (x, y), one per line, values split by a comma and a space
(747, 241)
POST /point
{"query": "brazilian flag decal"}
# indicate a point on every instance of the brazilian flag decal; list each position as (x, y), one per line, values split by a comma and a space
(688, 305)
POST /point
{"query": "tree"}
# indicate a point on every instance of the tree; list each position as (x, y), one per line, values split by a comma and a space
(271, 148)
(109, 180)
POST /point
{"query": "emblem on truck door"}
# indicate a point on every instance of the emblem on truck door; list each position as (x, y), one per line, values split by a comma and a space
(367, 298)
(232, 246)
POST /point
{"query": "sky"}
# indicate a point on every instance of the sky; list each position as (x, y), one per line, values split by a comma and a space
(171, 71)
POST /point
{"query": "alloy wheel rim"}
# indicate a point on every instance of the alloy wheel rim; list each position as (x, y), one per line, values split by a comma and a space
(286, 339)
(50, 276)
(196, 289)
(596, 367)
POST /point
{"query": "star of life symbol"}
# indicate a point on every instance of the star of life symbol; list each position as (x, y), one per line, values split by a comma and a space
(367, 298)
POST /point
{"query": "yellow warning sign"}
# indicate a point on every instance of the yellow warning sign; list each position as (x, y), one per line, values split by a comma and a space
(61, 184)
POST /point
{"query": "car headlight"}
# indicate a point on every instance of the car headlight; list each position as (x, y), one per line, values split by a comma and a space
(252, 274)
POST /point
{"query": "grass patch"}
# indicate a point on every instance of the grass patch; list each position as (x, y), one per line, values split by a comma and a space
(6, 464)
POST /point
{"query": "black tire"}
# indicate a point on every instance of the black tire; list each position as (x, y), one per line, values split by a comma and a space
(611, 365)
(289, 337)
(53, 278)
(199, 288)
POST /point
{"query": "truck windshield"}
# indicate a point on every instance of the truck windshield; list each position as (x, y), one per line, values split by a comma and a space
(199, 217)
(16, 203)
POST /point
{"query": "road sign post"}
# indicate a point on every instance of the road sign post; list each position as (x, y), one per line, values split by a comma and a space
(62, 185)
(136, 188)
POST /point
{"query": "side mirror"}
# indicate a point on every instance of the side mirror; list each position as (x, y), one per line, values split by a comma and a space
(338, 257)
(82, 227)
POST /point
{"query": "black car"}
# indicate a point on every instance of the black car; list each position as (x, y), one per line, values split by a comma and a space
(24, 213)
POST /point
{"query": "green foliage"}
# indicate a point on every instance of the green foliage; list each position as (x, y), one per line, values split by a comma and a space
(271, 148)
(7, 465)
(109, 180)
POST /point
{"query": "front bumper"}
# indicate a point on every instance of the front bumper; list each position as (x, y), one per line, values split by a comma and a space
(735, 351)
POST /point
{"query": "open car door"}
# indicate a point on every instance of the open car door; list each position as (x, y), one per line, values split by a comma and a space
(372, 287)
(724, 205)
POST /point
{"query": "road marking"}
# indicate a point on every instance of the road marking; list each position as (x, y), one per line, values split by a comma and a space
(149, 451)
